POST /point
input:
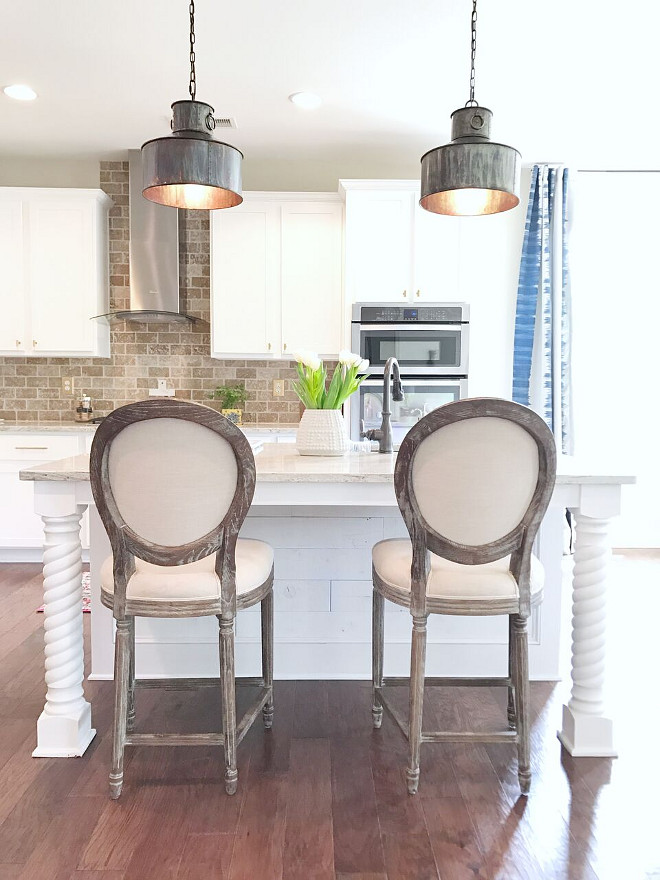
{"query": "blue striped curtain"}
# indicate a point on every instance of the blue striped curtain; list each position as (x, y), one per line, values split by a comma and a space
(542, 340)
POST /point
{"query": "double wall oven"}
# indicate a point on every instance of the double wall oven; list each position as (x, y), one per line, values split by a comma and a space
(430, 342)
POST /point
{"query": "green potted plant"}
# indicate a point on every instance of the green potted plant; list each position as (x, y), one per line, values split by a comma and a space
(232, 400)
(322, 428)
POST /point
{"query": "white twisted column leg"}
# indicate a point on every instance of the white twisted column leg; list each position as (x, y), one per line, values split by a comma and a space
(585, 729)
(64, 727)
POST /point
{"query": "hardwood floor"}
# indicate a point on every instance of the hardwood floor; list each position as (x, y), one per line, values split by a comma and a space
(322, 796)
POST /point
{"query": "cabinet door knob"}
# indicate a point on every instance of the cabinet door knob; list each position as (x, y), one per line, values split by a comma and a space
(405, 293)
(285, 346)
(269, 346)
(18, 343)
(417, 294)
(34, 342)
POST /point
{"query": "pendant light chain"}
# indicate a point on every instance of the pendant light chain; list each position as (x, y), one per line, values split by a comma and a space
(193, 82)
(472, 102)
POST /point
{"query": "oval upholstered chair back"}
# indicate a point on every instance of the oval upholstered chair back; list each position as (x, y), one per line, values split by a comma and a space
(173, 481)
(474, 479)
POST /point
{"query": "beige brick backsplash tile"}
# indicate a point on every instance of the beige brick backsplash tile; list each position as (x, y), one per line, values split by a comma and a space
(252, 385)
(278, 406)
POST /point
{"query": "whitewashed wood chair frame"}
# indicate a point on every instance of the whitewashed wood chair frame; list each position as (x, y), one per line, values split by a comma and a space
(220, 539)
(516, 542)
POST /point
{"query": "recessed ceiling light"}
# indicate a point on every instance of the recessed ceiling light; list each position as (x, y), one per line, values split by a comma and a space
(20, 92)
(306, 100)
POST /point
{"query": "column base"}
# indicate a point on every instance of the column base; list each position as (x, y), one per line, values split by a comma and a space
(587, 736)
(64, 736)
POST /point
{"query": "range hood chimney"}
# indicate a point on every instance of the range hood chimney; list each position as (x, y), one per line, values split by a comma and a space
(154, 257)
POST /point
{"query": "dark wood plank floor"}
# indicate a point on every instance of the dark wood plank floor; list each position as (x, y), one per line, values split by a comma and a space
(322, 796)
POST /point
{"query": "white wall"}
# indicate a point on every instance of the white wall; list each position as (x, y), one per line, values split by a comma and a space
(616, 339)
(29, 171)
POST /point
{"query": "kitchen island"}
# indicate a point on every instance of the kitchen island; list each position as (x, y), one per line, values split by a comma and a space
(322, 516)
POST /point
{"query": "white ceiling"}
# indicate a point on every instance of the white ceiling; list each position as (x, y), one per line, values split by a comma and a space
(569, 80)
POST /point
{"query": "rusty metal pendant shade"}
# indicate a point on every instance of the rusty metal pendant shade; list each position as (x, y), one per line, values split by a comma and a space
(190, 169)
(471, 175)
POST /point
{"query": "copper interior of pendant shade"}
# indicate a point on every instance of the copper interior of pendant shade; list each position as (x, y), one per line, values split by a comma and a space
(193, 196)
(469, 202)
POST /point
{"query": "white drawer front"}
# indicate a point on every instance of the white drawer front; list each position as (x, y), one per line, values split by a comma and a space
(37, 447)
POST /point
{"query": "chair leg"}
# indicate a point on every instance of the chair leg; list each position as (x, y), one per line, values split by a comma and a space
(267, 655)
(521, 684)
(122, 663)
(417, 665)
(511, 703)
(228, 687)
(377, 651)
(130, 718)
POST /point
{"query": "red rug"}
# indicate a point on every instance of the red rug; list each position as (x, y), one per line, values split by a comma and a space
(86, 595)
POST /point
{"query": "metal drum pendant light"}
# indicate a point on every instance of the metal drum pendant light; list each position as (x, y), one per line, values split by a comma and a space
(190, 169)
(471, 175)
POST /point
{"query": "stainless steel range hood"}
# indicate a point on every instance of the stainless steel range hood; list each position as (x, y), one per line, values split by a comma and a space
(154, 257)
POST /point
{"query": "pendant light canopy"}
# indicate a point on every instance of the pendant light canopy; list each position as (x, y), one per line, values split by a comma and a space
(190, 169)
(471, 175)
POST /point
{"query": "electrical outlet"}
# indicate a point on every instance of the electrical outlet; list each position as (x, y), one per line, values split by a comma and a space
(67, 386)
(278, 387)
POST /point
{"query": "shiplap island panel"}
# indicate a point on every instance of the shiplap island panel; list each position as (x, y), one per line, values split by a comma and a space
(322, 516)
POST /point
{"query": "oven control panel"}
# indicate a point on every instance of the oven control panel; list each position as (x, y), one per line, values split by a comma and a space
(392, 314)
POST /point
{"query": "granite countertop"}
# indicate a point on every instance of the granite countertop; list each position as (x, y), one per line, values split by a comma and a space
(281, 463)
(47, 427)
(86, 428)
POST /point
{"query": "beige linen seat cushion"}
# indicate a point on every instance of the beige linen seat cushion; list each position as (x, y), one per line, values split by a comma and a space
(196, 581)
(451, 581)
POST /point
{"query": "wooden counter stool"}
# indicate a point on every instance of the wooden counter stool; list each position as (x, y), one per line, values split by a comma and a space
(173, 482)
(473, 480)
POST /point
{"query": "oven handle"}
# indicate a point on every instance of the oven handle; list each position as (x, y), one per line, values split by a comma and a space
(412, 324)
(425, 380)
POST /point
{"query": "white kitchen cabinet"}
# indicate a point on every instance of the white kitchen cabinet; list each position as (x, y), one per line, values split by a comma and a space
(396, 251)
(312, 276)
(244, 278)
(21, 530)
(276, 276)
(53, 244)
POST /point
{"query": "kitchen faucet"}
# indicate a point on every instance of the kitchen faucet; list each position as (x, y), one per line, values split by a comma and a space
(384, 433)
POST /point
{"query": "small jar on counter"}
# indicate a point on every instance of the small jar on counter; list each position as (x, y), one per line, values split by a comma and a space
(84, 411)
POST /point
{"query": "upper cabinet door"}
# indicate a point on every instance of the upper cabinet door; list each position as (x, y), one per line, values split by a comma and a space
(379, 245)
(61, 268)
(312, 301)
(245, 280)
(436, 256)
(12, 286)
(54, 253)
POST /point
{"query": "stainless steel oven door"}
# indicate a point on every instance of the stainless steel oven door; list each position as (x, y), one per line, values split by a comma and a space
(420, 349)
(421, 396)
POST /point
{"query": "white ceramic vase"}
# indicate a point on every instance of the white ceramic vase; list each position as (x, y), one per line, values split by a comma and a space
(322, 432)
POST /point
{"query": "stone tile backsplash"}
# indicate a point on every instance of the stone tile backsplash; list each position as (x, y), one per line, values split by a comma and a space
(30, 388)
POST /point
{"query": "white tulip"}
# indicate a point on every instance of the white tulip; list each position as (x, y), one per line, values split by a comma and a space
(364, 366)
(307, 359)
(349, 359)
